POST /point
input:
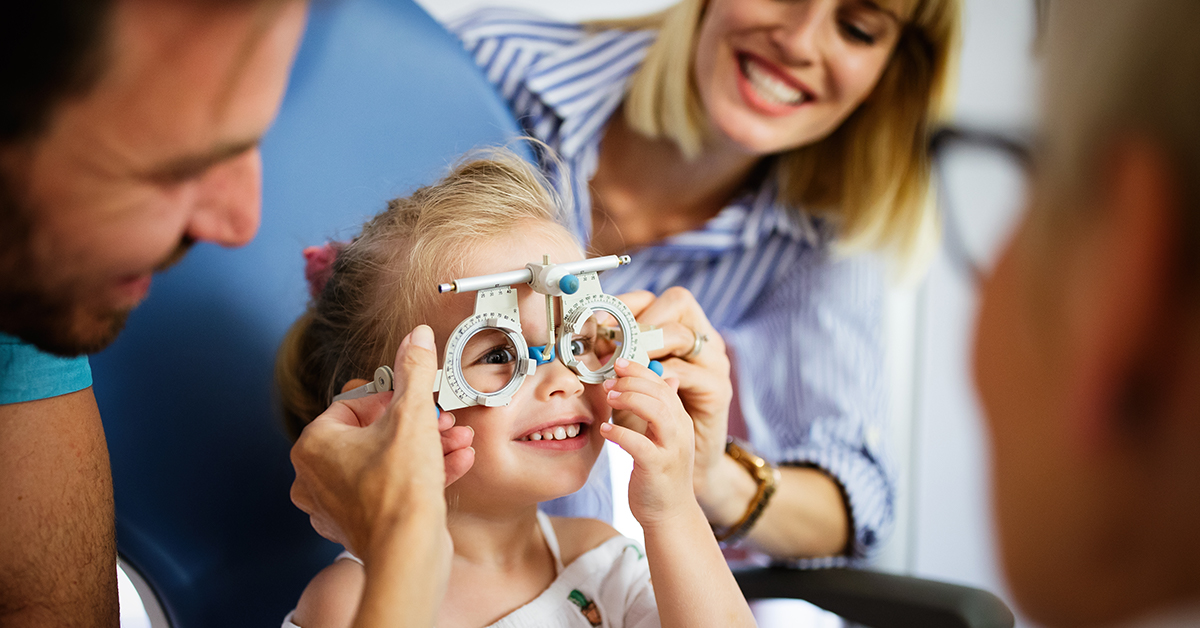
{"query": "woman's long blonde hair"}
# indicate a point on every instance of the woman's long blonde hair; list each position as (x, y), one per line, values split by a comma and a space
(871, 175)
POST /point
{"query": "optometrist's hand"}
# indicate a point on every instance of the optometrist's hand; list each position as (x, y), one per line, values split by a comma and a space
(704, 381)
(369, 466)
(660, 486)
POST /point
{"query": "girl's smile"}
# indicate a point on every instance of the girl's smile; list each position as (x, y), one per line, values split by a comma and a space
(566, 434)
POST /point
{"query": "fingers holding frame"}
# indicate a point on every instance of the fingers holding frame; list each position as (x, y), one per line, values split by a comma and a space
(682, 320)
(633, 442)
(640, 391)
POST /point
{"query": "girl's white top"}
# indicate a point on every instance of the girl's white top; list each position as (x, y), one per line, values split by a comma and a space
(607, 586)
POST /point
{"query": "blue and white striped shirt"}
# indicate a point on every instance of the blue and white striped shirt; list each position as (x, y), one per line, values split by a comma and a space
(805, 327)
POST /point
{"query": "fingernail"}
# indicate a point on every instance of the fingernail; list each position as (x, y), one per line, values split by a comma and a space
(606, 427)
(472, 430)
(622, 362)
(609, 383)
(612, 394)
(422, 337)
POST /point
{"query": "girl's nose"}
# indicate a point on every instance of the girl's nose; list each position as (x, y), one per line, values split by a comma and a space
(554, 378)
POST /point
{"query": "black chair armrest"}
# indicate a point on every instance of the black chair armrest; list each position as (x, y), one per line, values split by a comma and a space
(880, 600)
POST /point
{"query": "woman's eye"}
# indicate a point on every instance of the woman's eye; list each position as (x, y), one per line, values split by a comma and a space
(858, 34)
(498, 355)
(580, 346)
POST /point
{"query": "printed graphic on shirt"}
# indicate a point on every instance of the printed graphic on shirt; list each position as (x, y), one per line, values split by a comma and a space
(586, 606)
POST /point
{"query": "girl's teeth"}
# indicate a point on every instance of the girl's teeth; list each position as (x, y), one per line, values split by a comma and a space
(558, 433)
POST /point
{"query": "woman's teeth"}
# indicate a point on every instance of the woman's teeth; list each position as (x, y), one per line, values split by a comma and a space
(561, 432)
(768, 86)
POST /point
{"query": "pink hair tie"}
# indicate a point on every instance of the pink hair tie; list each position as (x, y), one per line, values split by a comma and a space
(318, 266)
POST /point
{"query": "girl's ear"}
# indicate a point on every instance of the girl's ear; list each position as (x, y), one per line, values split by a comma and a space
(354, 383)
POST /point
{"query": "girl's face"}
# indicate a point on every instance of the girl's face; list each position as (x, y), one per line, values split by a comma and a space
(774, 75)
(512, 466)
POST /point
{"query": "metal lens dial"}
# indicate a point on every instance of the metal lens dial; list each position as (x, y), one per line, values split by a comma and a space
(488, 361)
(595, 333)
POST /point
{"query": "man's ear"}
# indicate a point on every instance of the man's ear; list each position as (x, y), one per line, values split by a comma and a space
(354, 383)
(1120, 288)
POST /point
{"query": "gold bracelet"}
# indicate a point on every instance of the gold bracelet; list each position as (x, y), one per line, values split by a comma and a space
(765, 474)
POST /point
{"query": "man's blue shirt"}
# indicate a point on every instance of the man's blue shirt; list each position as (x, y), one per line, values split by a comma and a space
(27, 374)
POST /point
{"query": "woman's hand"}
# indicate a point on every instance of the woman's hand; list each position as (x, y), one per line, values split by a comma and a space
(704, 381)
(368, 466)
(660, 487)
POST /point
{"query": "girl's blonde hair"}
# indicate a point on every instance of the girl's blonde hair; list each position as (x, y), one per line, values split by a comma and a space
(871, 175)
(383, 282)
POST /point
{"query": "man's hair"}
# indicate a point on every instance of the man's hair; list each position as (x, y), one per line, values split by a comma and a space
(1117, 67)
(50, 50)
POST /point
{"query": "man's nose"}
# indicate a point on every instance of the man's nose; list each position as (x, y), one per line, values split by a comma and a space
(228, 206)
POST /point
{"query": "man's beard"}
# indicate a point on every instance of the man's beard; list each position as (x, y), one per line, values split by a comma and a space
(58, 326)
(54, 318)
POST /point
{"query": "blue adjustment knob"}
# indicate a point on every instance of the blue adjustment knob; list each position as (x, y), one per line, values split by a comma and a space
(569, 284)
(656, 366)
(535, 354)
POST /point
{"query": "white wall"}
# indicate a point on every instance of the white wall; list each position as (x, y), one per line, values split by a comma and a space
(950, 536)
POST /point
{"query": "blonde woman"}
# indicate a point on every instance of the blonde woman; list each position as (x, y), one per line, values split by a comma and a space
(742, 149)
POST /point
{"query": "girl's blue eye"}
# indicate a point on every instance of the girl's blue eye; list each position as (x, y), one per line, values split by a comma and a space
(498, 355)
(579, 346)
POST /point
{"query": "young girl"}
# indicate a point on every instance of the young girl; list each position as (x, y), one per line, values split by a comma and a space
(512, 566)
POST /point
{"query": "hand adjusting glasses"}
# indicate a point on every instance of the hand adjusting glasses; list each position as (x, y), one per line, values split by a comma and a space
(487, 358)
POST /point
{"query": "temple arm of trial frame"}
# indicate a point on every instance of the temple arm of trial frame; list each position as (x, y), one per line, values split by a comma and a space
(550, 279)
(381, 383)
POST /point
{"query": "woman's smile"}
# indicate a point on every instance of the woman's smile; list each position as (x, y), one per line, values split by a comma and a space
(767, 88)
(750, 56)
